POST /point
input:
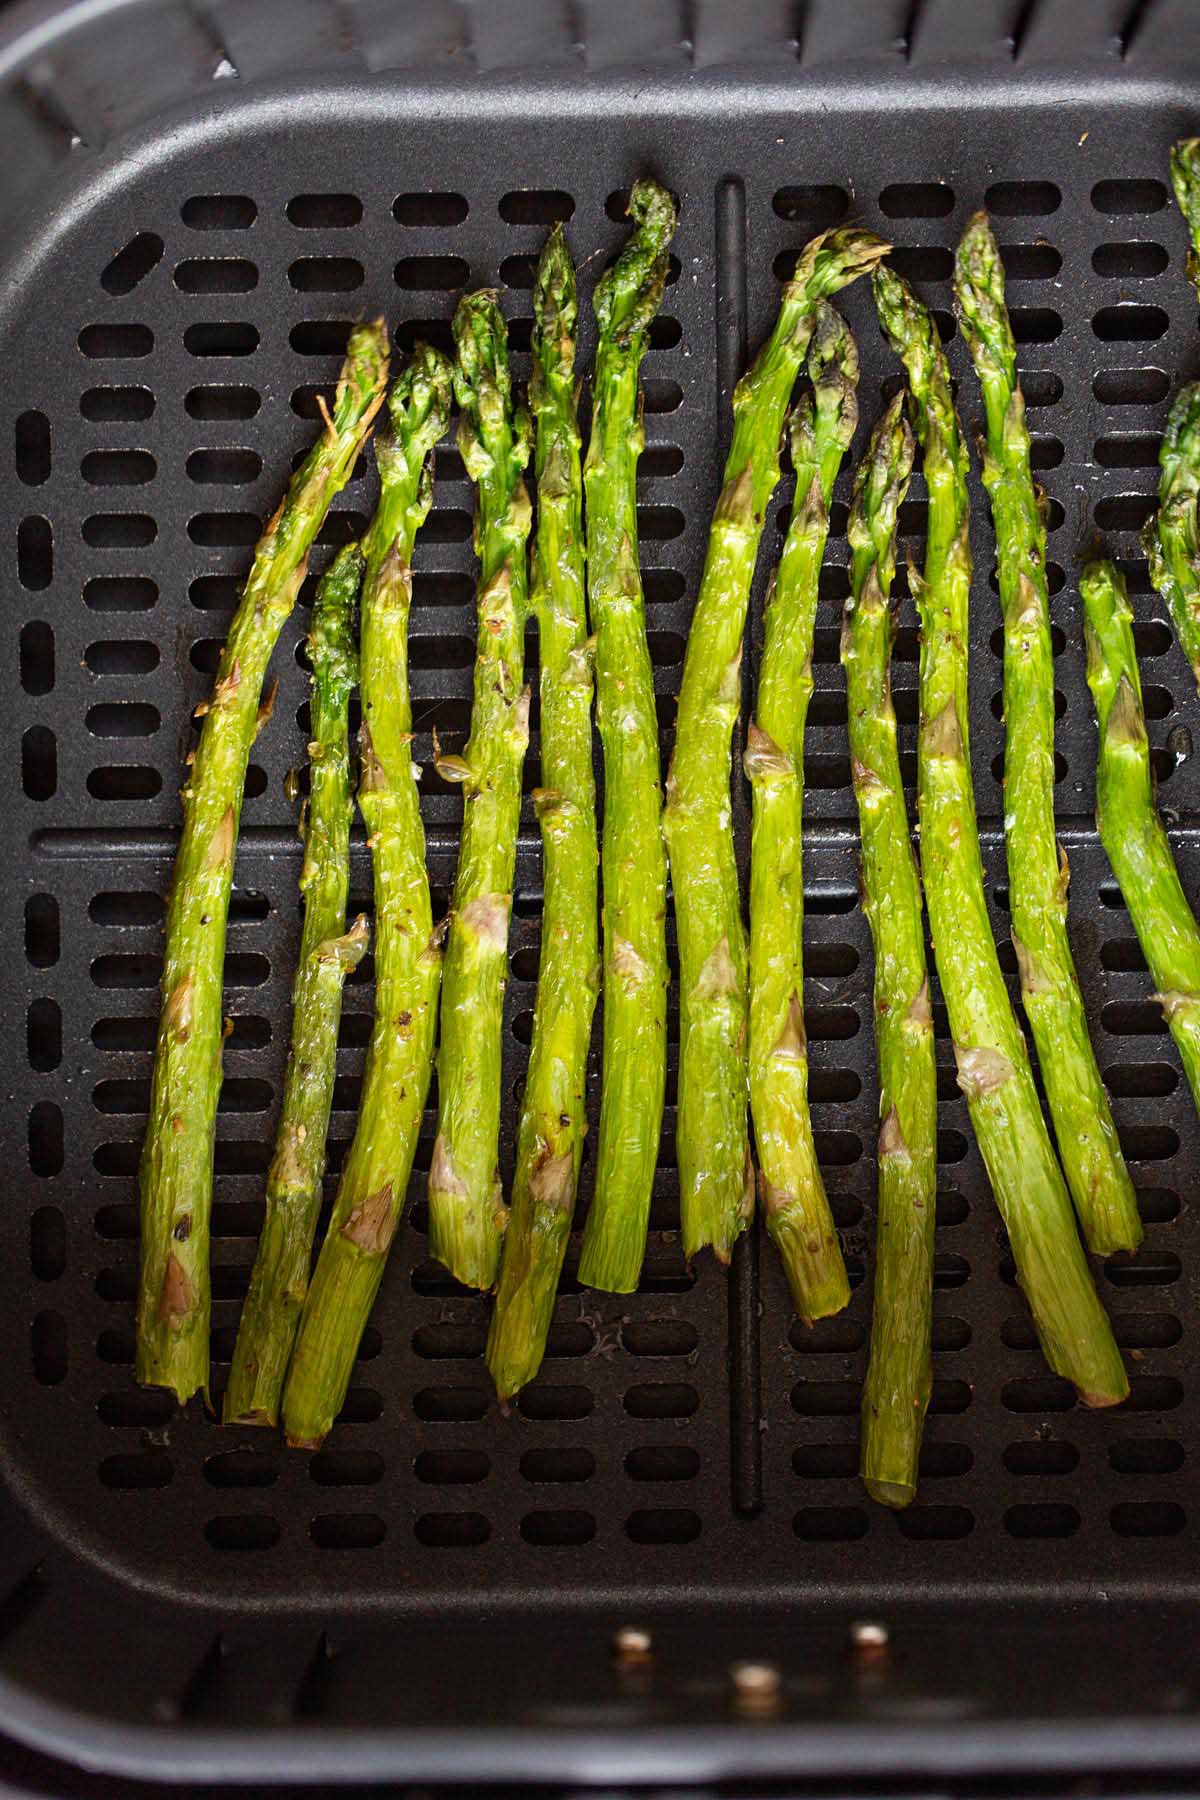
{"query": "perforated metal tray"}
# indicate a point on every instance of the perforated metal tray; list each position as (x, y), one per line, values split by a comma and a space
(199, 199)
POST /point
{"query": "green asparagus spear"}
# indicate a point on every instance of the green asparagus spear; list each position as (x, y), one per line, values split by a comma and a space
(328, 952)
(553, 1114)
(1185, 179)
(633, 1077)
(797, 1211)
(712, 1143)
(1170, 536)
(993, 1065)
(374, 1180)
(177, 1158)
(1130, 828)
(466, 1204)
(1037, 870)
(899, 1375)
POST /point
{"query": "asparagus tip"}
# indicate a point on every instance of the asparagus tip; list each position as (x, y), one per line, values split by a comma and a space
(628, 295)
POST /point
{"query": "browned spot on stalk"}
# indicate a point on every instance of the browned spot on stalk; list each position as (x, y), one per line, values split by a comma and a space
(444, 1178)
(718, 976)
(792, 1042)
(813, 515)
(371, 777)
(626, 965)
(1033, 977)
(372, 1223)
(942, 734)
(981, 1069)
(487, 919)
(1029, 605)
(495, 601)
(920, 1011)
(225, 689)
(394, 580)
(177, 1295)
(763, 759)
(266, 708)
(736, 503)
(866, 782)
(1174, 1001)
(287, 1170)
(552, 1181)
(872, 593)
(220, 848)
(177, 1013)
(729, 686)
(1125, 722)
(774, 1200)
(891, 1135)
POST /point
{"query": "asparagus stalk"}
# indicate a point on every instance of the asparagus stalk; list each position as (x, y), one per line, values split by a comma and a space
(328, 952)
(374, 1180)
(989, 1050)
(1170, 536)
(177, 1158)
(899, 1375)
(1037, 870)
(553, 1115)
(634, 857)
(1185, 179)
(715, 1169)
(466, 1203)
(1130, 828)
(797, 1211)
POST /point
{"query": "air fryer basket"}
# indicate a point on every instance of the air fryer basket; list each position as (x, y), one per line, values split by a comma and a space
(197, 199)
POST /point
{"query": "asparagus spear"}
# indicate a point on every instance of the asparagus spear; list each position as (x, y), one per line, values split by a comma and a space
(715, 1168)
(633, 1077)
(797, 1211)
(1037, 870)
(374, 1180)
(899, 1374)
(466, 1204)
(328, 952)
(1170, 537)
(989, 1050)
(553, 1115)
(1185, 179)
(1130, 828)
(177, 1158)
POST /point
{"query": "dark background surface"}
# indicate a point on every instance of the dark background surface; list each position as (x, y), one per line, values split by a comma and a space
(198, 200)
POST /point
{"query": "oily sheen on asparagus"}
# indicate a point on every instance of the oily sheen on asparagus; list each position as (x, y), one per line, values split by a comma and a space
(993, 1065)
(553, 1109)
(328, 952)
(176, 1171)
(634, 857)
(899, 1374)
(793, 1193)
(1130, 829)
(466, 1204)
(712, 1139)
(1037, 868)
(374, 1180)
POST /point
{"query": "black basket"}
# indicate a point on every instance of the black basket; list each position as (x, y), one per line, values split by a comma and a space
(196, 200)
